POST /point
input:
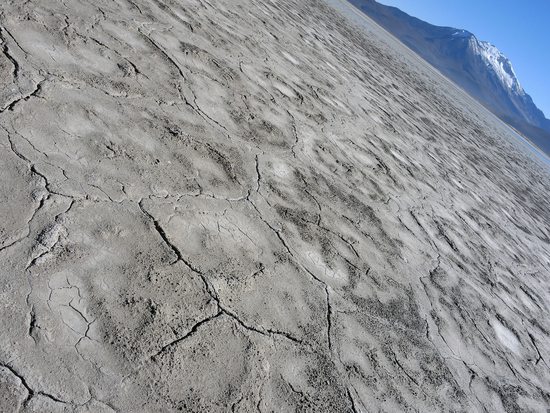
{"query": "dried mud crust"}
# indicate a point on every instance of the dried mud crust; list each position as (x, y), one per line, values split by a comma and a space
(257, 206)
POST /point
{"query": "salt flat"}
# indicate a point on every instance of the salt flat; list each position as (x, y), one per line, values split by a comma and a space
(258, 206)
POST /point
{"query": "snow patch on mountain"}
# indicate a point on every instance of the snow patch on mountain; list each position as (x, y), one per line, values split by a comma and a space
(462, 33)
(499, 64)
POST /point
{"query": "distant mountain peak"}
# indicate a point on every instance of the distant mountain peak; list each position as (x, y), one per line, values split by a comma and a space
(500, 64)
(477, 66)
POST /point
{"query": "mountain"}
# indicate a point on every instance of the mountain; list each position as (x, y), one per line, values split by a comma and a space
(478, 67)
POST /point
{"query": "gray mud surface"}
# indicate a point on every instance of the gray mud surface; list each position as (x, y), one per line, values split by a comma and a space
(257, 206)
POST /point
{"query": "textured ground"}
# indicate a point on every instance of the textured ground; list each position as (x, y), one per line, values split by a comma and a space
(255, 206)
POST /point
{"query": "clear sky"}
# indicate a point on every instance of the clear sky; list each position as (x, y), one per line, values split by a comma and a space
(520, 29)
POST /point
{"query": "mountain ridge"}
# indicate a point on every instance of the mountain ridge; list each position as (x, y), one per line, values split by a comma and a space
(477, 66)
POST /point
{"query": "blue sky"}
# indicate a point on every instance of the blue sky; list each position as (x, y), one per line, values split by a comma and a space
(520, 29)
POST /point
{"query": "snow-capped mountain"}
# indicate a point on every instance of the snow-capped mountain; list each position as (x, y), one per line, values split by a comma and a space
(479, 67)
(498, 63)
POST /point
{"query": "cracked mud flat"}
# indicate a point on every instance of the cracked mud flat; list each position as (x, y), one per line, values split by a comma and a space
(256, 206)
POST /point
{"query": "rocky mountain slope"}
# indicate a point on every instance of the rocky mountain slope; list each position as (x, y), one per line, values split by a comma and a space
(258, 206)
(477, 66)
